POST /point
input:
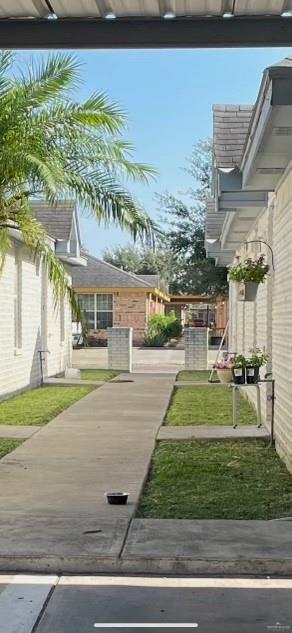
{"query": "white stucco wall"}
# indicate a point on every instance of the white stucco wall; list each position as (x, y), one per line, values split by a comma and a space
(20, 368)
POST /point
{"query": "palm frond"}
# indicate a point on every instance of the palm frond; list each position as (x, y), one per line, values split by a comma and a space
(54, 147)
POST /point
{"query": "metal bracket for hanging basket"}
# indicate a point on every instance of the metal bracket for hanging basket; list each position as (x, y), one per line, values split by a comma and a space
(247, 291)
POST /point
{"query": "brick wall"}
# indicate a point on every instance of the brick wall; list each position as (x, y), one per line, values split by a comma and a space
(120, 348)
(132, 309)
(21, 368)
(196, 348)
(249, 320)
(282, 316)
(266, 323)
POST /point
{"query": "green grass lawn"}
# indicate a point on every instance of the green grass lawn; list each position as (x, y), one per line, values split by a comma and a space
(38, 406)
(98, 374)
(216, 480)
(197, 376)
(6, 446)
(207, 405)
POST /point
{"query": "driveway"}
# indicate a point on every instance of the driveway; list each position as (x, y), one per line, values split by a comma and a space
(145, 360)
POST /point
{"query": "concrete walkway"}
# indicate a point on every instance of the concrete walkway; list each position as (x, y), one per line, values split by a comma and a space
(52, 504)
(209, 546)
(204, 432)
(18, 432)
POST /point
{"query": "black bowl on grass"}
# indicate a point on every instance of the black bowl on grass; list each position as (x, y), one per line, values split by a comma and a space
(117, 498)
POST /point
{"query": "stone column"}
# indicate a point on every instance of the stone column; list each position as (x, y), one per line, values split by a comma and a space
(196, 348)
(119, 345)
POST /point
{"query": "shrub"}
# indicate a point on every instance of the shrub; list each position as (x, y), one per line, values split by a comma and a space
(154, 339)
(161, 328)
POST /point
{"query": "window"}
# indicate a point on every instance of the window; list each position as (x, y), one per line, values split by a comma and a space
(18, 302)
(98, 310)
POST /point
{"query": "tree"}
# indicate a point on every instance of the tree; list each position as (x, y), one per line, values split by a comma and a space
(142, 261)
(53, 147)
(184, 233)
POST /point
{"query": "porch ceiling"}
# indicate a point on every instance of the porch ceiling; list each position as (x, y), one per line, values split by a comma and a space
(141, 23)
(141, 8)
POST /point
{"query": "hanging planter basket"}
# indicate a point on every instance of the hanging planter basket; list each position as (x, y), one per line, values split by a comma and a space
(247, 291)
(248, 275)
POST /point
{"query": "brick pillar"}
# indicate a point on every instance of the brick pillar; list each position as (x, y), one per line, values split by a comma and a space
(119, 343)
(196, 348)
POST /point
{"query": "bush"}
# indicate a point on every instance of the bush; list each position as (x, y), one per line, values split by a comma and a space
(161, 328)
(154, 339)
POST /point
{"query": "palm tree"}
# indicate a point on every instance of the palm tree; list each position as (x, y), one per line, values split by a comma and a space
(53, 147)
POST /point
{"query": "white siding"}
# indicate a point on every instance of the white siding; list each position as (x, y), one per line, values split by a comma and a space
(21, 368)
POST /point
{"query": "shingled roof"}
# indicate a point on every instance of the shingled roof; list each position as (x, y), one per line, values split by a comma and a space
(57, 219)
(100, 274)
(230, 128)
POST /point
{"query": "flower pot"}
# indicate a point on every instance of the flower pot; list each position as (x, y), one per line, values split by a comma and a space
(252, 374)
(117, 498)
(225, 375)
(247, 291)
(239, 375)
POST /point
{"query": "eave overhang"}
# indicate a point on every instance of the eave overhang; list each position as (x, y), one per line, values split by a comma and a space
(268, 148)
(72, 260)
(235, 211)
(213, 230)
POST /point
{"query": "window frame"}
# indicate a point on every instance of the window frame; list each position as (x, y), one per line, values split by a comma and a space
(95, 310)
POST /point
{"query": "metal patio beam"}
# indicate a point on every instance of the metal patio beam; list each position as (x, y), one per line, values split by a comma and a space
(146, 33)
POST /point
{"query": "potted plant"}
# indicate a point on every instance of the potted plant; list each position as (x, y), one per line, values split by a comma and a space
(239, 369)
(224, 370)
(253, 364)
(249, 274)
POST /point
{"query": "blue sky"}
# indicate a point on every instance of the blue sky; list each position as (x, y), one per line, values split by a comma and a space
(168, 96)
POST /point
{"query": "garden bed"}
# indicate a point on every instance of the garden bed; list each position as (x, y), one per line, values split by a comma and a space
(207, 405)
(216, 480)
(39, 406)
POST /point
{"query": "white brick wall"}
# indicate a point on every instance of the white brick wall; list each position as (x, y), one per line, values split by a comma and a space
(19, 369)
(120, 341)
(196, 348)
(282, 316)
(267, 323)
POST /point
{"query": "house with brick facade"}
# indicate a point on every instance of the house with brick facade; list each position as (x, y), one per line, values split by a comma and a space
(31, 321)
(113, 297)
(251, 214)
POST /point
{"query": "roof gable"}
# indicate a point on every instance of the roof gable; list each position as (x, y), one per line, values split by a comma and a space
(57, 218)
(100, 274)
